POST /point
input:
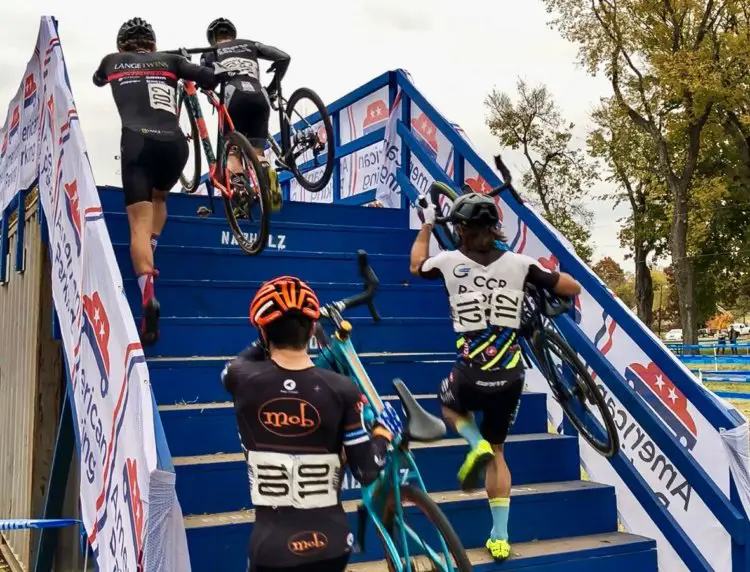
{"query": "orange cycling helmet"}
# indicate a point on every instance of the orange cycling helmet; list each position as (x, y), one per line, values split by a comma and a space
(281, 295)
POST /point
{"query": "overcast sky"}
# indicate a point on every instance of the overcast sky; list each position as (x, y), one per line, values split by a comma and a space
(455, 52)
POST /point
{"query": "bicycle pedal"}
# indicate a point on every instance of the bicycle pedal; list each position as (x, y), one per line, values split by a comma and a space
(203, 212)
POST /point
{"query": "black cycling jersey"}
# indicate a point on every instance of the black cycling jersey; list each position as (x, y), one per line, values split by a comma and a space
(294, 427)
(242, 56)
(144, 86)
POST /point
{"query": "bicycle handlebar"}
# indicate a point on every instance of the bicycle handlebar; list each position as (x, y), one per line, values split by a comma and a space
(190, 51)
(371, 284)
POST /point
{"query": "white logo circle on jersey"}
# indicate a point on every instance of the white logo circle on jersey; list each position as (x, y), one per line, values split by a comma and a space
(290, 384)
(350, 539)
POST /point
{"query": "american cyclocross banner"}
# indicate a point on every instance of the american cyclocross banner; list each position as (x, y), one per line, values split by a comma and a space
(721, 453)
(129, 508)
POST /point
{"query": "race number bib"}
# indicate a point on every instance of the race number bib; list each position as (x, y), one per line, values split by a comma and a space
(162, 97)
(472, 311)
(469, 312)
(505, 308)
(299, 481)
(243, 66)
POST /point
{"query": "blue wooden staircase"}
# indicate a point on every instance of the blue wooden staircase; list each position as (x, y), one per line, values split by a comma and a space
(558, 522)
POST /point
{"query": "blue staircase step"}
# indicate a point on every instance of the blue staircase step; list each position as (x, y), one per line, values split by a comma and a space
(218, 542)
(184, 337)
(613, 552)
(202, 263)
(189, 298)
(197, 380)
(180, 204)
(205, 428)
(309, 236)
(218, 483)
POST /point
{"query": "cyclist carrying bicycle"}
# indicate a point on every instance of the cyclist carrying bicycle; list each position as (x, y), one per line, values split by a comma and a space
(246, 102)
(297, 423)
(153, 149)
(486, 288)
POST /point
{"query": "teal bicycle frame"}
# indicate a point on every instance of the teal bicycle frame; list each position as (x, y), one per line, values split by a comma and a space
(338, 353)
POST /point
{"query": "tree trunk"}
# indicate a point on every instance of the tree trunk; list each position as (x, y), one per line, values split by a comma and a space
(644, 287)
(683, 265)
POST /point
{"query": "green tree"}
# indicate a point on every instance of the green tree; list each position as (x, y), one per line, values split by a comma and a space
(628, 153)
(559, 175)
(671, 64)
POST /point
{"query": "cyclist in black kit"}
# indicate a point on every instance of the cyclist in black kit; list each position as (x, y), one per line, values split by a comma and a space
(296, 424)
(246, 101)
(153, 149)
(485, 287)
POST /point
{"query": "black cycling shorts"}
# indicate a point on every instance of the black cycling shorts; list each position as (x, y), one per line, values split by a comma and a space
(250, 113)
(333, 565)
(495, 393)
(149, 163)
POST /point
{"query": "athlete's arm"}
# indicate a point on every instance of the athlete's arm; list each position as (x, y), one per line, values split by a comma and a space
(560, 283)
(203, 76)
(281, 59)
(208, 59)
(100, 75)
(365, 454)
(420, 253)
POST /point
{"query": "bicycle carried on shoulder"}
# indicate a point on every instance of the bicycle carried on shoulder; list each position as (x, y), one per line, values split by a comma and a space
(406, 548)
(297, 140)
(570, 381)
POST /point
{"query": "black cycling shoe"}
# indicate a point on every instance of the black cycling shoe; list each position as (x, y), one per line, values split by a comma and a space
(150, 322)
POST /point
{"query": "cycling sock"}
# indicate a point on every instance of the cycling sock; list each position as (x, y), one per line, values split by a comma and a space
(154, 241)
(146, 284)
(468, 429)
(500, 508)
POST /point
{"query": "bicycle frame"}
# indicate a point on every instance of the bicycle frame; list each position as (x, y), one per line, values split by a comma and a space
(225, 122)
(339, 354)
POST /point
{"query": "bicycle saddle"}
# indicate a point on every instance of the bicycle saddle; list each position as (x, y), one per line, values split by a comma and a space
(420, 425)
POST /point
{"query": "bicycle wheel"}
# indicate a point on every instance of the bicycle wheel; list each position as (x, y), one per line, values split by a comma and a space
(582, 391)
(190, 182)
(307, 143)
(437, 520)
(240, 202)
(442, 199)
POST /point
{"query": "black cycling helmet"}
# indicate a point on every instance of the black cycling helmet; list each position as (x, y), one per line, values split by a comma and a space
(220, 26)
(135, 28)
(473, 209)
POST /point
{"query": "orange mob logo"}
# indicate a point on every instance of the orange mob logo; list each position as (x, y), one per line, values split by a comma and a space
(289, 417)
(307, 543)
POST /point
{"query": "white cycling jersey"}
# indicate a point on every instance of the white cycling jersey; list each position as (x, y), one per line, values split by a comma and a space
(485, 296)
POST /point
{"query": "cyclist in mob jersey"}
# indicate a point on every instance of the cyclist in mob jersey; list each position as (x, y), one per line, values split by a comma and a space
(297, 423)
(246, 101)
(153, 149)
(485, 288)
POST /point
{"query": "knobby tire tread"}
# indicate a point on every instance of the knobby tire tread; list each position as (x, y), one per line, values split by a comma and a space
(432, 511)
(252, 248)
(192, 185)
(307, 93)
(613, 439)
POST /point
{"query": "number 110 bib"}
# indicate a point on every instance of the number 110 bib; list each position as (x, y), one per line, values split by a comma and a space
(299, 481)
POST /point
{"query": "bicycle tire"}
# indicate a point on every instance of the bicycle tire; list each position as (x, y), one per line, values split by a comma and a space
(433, 512)
(291, 162)
(191, 185)
(612, 445)
(445, 237)
(251, 247)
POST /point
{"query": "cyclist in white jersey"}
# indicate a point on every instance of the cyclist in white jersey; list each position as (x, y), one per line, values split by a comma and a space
(486, 288)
